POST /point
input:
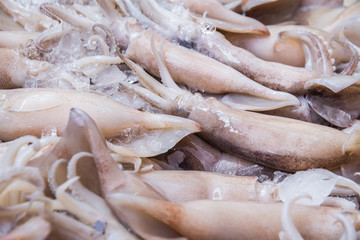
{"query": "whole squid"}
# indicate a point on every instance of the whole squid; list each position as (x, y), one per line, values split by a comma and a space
(278, 142)
(31, 111)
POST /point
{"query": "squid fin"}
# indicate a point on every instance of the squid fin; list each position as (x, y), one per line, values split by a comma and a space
(161, 137)
(245, 102)
(352, 143)
(249, 26)
(326, 108)
(333, 83)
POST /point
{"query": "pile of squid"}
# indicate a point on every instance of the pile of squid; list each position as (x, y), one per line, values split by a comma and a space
(179, 119)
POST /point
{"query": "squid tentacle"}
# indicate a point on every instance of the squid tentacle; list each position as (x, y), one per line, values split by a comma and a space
(349, 230)
(109, 36)
(353, 62)
(316, 50)
(13, 150)
(290, 231)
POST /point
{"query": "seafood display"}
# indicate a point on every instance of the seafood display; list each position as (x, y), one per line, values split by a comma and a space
(179, 119)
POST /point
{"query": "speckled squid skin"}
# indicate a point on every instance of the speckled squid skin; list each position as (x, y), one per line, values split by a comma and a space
(12, 69)
(280, 143)
(197, 71)
(274, 75)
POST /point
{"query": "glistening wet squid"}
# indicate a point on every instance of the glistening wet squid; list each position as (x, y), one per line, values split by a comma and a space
(222, 78)
(29, 111)
(281, 143)
(140, 198)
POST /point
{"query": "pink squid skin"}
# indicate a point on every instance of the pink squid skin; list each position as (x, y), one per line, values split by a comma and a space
(27, 111)
(351, 12)
(113, 180)
(132, 36)
(195, 219)
(155, 184)
(198, 71)
(282, 143)
(285, 144)
(15, 39)
(8, 24)
(13, 70)
(274, 75)
(34, 228)
(196, 185)
(171, 200)
(289, 52)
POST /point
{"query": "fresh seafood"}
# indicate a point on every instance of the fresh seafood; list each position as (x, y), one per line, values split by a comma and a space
(164, 119)
(45, 108)
(224, 127)
(223, 79)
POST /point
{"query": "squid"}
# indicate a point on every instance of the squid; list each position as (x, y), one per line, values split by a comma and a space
(233, 214)
(117, 191)
(318, 14)
(62, 162)
(30, 19)
(14, 39)
(221, 80)
(118, 187)
(350, 12)
(7, 23)
(36, 228)
(290, 50)
(81, 185)
(212, 43)
(304, 112)
(30, 178)
(131, 35)
(195, 154)
(13, 71)
(298, 149)
(16, 69)
(340, 108)
(100, 219)
(67, 227)
(115, 184)
(216, 11)
(285, 78)
(29, 111)
(96, 145)
(209, 185)
(344, 31)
